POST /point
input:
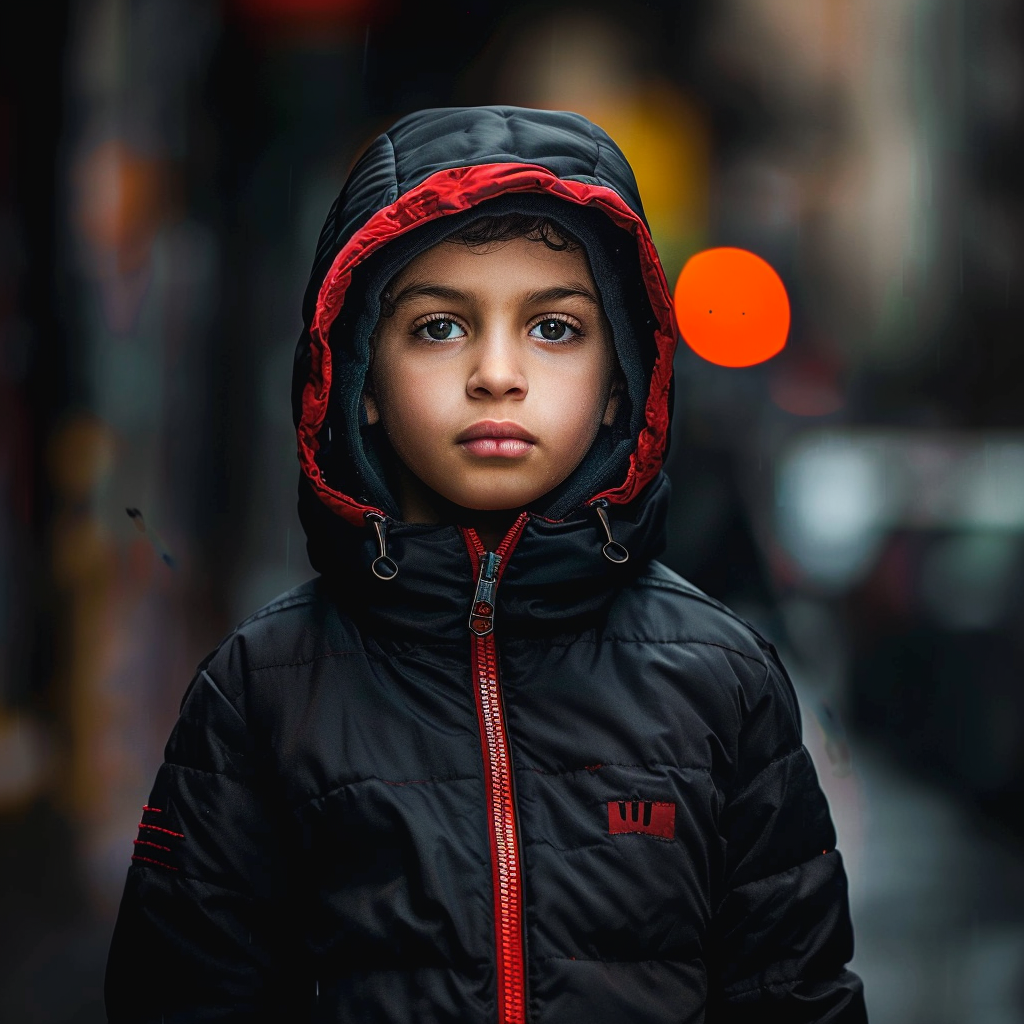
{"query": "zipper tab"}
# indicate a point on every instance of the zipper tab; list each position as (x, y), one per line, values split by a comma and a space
(481, 616)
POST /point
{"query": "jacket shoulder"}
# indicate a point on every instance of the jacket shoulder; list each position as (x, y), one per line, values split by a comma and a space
(661, 607)
(713, 644)
(296, 628)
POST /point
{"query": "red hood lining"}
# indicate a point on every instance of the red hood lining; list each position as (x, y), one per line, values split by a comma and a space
(452, 191)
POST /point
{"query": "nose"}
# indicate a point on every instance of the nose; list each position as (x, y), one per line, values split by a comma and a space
(497, 370)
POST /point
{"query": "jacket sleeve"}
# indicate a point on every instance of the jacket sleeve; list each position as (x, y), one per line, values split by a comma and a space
(196, 935)
(782, 928)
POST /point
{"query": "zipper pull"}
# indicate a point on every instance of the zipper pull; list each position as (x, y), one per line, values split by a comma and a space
(612, 550)
(481, 617)
(384, 566)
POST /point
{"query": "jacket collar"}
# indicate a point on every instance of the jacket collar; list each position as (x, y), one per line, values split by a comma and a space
(554, 579)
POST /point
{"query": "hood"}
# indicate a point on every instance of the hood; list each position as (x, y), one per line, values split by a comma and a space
(415, 184)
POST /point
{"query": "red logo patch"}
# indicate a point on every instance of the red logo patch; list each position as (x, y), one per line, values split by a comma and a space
(648, 817)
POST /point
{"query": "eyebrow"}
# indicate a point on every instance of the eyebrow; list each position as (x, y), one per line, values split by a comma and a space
(430, 291)
(556, 293)
(440, 291)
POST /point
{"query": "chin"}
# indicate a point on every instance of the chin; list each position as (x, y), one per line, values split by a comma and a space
(494, 506)
(493, 501)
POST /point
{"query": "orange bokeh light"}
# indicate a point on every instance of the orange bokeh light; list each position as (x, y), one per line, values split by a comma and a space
(732, 307)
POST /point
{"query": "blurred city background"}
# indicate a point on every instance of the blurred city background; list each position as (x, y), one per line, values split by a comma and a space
(165, 166)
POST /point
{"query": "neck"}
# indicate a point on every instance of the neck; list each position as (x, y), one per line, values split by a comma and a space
(491, 527)
(420, 504)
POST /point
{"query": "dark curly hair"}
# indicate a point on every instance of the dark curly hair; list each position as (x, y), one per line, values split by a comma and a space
(502, 228)
(509, 226)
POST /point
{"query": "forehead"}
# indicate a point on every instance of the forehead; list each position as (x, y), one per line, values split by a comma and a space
(499, 267)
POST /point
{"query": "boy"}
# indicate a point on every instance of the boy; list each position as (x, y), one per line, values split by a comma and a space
(494, 764)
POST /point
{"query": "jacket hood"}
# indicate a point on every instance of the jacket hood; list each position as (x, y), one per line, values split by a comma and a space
(432, 172)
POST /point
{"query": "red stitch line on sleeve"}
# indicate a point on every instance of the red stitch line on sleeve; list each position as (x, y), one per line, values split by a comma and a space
(149, 860)
(155, 810)
(157, 828)
(146, 842)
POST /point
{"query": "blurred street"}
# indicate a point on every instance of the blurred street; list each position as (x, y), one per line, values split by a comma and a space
(165, 166)
(938, 908)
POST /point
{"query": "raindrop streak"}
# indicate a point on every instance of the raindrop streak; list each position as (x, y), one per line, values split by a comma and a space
(287, 549)
(152, 536)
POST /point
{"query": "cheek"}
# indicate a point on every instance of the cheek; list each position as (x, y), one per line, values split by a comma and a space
(408, 401)
(577, 398)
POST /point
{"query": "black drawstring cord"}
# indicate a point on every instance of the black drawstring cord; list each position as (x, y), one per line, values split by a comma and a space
(384, 567)
(612, 550)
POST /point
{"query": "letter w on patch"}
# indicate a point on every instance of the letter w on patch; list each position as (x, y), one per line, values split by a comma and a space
(648, 817)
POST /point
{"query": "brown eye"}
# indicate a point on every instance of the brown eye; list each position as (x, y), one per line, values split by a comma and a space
(553, 330)
(441, 330)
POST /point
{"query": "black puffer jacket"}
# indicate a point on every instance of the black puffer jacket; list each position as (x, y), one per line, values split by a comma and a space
(536, 784)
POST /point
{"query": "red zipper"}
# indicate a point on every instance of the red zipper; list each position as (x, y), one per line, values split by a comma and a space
(505, 865)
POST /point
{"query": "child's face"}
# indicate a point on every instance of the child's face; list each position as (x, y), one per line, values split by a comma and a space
(493, 375)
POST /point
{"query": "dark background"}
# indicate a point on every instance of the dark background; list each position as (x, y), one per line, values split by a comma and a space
(164, 169)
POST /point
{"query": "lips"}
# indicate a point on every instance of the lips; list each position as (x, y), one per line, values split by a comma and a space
(489, 439)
